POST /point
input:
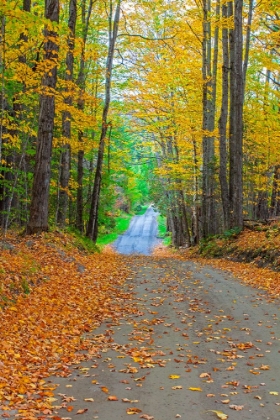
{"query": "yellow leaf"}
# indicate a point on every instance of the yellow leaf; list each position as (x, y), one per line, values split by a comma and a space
(220, 414)
(174, 376)
(274, 393)
(194, 389)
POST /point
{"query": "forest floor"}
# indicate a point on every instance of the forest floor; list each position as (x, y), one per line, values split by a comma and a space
(169, 311)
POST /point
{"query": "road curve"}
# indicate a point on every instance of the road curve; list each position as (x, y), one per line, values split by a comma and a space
(141, 236)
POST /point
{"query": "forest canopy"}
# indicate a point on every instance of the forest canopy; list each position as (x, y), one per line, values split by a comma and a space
(107, 105)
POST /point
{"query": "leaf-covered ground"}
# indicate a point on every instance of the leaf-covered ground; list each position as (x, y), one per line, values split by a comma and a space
(52, 295)
(252, 256)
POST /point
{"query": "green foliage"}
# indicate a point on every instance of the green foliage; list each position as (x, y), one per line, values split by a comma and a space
(162, 232)
(82, 242)
(210, 248)
(232, 233)
(121, 225)
(139, 209)
(219, 245)
(273, 231)
(25, 286)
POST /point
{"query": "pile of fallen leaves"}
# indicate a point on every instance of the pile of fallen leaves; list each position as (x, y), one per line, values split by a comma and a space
(52, 295)
(261, 246)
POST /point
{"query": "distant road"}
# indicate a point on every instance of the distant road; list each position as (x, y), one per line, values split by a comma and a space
(141, 236)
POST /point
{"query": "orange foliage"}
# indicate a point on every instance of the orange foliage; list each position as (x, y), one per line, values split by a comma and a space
(42, 332)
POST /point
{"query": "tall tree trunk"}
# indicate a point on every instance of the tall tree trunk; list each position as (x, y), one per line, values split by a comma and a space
(195, 226)
(92, 229)
(2, 67)
(81, 106)
(38, 221)
(236, 119)
(247, 42)
(223, 122)
(66, 120)
(209, 74)
(275, 196)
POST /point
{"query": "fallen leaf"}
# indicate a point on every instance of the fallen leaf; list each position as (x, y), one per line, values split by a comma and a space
(236, 407)
(274, 393)
(194, 389)
(177, 387)
(82, 411)
(133, 410)
(265, 367)
(89, 399)
(204, 375)
(220, 414)
(112, 398)
(105, 389)
(174, 376)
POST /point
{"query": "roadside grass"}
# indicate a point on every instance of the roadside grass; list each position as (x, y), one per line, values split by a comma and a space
(162, 232)
(107, 237)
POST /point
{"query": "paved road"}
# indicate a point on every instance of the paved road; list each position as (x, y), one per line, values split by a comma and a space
(141, 236)
(200, 346)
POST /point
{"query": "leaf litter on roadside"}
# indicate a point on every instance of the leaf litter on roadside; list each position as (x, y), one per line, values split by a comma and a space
(41, 333)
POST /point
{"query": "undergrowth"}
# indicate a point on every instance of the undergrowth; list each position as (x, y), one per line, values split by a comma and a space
(260, 246)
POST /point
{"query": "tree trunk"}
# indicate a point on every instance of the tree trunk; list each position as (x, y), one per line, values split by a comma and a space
(3, 68)
(236, 119)
(209, 74)
(275, 196)
(81, 106)
(66, 120)
(223, 122)
(92, 229)
(38, 221)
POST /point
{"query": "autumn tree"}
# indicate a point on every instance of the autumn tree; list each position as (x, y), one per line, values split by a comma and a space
(65, 158)
(92, 229)
(38, 221)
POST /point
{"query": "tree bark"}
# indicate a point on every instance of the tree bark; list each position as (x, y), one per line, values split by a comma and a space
(38, 221)
(223, 122)
(275, 196)
(209, 74)
(236, 119)
(81, 105)
(66, 120)
(92, 229)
